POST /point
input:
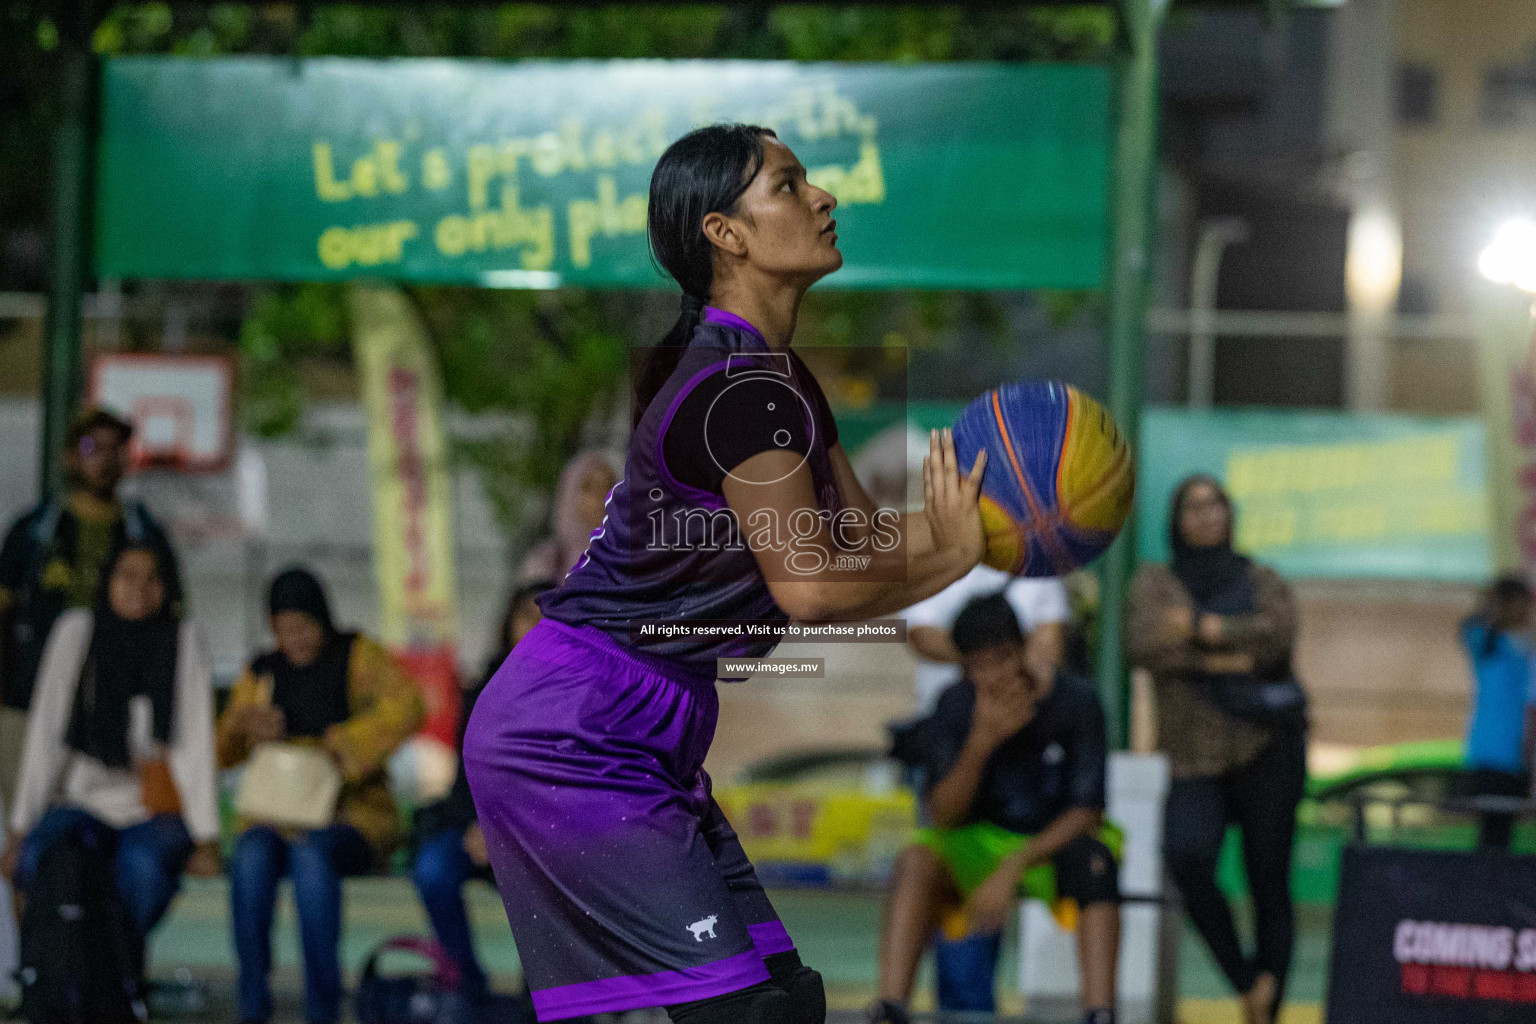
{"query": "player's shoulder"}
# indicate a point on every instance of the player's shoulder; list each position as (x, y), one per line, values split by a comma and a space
(1265, 576)
(1154, 574)
(23, 525)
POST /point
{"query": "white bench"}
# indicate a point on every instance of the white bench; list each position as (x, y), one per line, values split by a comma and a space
(1048, 977)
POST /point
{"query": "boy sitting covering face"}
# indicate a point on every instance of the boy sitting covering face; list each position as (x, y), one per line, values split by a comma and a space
(1014, 788)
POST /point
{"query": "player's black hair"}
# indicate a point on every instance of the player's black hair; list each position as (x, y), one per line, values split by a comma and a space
(704, 172)
(1506, 591)
(1509, 588)
(984, 622)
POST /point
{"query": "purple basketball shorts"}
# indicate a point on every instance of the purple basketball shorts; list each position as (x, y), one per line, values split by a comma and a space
(624, 884)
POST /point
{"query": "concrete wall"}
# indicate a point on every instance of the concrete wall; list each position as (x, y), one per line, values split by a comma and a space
(1383, 663)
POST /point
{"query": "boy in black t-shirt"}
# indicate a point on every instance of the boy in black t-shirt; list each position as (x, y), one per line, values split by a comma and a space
(1014, 786)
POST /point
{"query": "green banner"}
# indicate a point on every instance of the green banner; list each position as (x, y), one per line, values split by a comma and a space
(1329, 494)
(535, 174)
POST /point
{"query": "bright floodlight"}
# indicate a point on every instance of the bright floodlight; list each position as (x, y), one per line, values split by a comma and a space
(1373, 261)
(1511, 257)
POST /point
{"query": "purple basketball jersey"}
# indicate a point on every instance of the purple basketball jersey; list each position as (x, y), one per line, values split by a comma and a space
(667, 550)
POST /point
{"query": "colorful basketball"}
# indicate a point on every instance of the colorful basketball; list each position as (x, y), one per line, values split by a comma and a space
(1059, 477)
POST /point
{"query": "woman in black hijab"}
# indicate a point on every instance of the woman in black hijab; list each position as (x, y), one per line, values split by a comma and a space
(1215, 630)
(119, 747)
(342, 693)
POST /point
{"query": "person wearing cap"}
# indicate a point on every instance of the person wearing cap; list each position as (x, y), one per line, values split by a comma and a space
(342, 692)
(52, 559)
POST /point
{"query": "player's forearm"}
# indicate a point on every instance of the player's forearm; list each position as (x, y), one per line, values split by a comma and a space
(1079, 821)
(950, 800)
(901, 580)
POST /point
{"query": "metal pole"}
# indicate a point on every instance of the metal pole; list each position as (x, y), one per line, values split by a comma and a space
(1362, 125)
(1215, 236)
(69, 258)
(1133, 186)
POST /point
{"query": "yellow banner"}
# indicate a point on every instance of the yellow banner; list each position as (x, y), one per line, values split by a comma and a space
(407, 453)
(412, 529)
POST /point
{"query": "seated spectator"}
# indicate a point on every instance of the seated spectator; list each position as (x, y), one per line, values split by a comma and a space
(1042, 607)
(119, 744)
(451, 849)
(53, 558)
(344, 693)
(577, 509)
(1014, 787)
(1498, 642)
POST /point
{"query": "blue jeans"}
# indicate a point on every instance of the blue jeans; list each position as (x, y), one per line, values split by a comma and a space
(146, 861)
(441, 869)
(317, 861)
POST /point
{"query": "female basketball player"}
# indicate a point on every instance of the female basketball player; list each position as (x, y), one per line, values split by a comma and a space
(623, 882)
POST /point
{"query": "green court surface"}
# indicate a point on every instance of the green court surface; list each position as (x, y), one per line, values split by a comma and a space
(836, 933)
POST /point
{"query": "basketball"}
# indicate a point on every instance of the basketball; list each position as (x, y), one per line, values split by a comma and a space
(1059, 478)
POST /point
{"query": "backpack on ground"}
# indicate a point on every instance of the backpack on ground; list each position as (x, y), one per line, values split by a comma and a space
(434, 998)
(77, 964)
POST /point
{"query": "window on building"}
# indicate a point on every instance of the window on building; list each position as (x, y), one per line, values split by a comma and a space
(1418, 94)
(1509, 92)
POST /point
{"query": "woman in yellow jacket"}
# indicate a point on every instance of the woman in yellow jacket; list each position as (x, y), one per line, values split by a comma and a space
(344, 693)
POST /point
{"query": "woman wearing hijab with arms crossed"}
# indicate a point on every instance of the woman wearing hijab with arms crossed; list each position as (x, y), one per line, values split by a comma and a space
(1216, 631)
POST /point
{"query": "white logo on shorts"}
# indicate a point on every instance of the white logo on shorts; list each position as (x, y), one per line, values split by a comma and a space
(704, 927)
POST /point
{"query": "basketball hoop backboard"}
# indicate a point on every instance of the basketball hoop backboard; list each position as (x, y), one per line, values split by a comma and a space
(180, 407)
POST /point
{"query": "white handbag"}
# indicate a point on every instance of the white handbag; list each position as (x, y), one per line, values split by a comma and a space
(290, 786)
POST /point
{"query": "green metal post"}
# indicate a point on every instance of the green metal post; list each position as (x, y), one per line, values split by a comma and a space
(1133, 185)
(69, 259)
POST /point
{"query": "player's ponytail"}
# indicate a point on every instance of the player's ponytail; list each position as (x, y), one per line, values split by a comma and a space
(704, 172)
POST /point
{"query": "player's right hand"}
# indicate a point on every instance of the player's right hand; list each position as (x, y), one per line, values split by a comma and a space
(951, 502)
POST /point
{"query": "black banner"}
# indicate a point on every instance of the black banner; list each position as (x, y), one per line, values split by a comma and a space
(1434, 938)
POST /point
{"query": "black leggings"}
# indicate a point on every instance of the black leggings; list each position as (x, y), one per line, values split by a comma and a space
(793, 995)
(1260, 798)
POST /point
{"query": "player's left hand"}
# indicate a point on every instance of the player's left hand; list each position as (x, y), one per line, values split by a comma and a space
(952, 496)
(986, 912)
